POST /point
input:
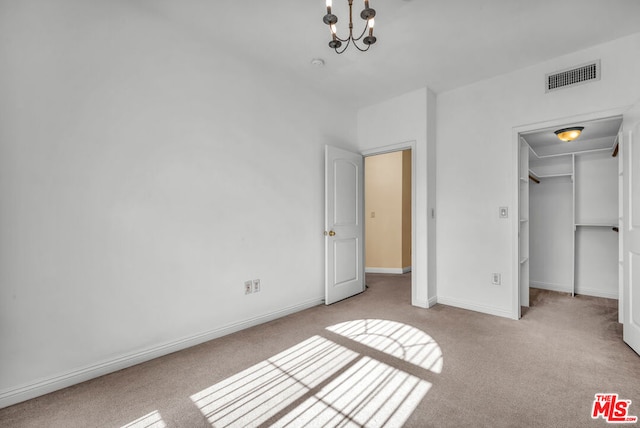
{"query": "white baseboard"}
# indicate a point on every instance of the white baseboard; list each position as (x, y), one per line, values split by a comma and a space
(550, 286)
(432, 302)
(463, 304)
(43, 386)
(597, 293)
(579, 290)
(396, 271)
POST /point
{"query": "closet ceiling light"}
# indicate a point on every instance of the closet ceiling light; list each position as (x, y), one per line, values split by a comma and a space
(569, 134)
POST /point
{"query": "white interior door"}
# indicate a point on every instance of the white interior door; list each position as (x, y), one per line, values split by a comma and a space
(344, 224)
(631, 227)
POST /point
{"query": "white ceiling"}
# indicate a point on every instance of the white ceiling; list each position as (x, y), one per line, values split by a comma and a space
(597, 134)
(442, 44)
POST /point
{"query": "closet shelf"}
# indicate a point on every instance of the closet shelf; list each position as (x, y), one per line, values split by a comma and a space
(597, 224)
(524, 220)
(568, 174)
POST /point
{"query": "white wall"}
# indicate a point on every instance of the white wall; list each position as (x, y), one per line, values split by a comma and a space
(144, 176)
(596, 188)
(597, 262)
(597, 203)
(476, 171)
(551, 234)
(408, 118)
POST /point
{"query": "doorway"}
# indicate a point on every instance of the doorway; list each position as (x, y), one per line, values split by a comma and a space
(568, 208)
(389, 211)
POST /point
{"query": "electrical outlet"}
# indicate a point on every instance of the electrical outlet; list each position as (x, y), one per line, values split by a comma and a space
(248, 287)
(256, 285)
(496, 278)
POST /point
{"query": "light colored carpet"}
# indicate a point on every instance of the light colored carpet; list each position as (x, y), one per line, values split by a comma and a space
(442, 367)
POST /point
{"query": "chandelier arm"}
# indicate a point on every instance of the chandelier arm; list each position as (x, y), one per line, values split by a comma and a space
(366, 26)
(345, 47)
(352, 38)
(342, 40)
(359, 48)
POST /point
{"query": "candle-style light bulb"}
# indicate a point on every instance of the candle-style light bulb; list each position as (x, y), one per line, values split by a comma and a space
(366, 4)
(371, 23)
(329, 7)
(333, 29)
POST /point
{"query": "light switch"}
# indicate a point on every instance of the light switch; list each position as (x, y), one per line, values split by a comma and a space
(504, 212)
(373, 214)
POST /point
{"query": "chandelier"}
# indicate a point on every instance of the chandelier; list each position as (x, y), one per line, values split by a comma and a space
(336, 42)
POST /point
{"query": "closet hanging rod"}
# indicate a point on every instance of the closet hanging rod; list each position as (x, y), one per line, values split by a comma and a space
(580, 152)
(564, 174)
(534, 179)
(615, 151)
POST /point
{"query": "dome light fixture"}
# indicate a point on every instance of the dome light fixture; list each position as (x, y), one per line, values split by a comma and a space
(336, 42)
(569, 134)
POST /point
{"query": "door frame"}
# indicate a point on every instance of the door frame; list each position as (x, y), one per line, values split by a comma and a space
(392, 148)
(515, 164)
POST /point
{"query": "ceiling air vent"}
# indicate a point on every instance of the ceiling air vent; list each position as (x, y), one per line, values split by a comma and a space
(574, 76)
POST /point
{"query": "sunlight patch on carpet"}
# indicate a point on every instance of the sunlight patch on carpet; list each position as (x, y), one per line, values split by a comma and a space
(152, 420)
(319, 382)
(368, 394)
(393, 338)
(254, 395)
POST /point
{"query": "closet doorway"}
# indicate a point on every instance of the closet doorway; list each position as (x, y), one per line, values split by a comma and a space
(388, 213)
(569, 209)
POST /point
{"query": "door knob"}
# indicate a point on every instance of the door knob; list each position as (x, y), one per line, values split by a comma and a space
(330, 233)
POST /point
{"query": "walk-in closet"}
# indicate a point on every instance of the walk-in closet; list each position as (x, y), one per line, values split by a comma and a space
(569, 210)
